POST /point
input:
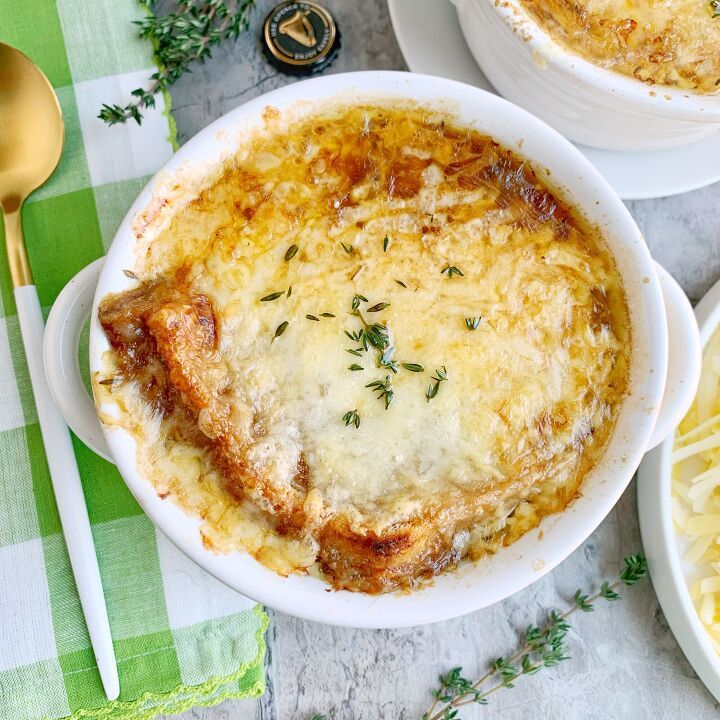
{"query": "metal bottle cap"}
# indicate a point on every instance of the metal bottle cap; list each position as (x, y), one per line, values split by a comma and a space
(300, 38)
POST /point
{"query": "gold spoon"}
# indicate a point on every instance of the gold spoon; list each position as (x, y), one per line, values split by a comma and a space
(31, 142)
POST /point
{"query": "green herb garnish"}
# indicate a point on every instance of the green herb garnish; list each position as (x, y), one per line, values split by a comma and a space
(384, 390)
(179, 39)
(379, 307)
(472, 323)
(291, 252)
(289, 292)
(352, 418)
(413, 367)
(386, 242)
(357, 352)
(440, 376)
(541, 647)
(313, 317)
(355, 367)
(452, 270)
(401, 283)
(326, 315)
(281, 328)
(357, 299)
(377, 335)
(272, 296)
(386, 361)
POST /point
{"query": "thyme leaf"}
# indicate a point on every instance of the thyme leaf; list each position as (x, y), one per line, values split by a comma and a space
(401, 283)
(313, 317)
(352, 418)
(379, 307)
(472, 323)
(386, 242)
(413, 367)
(281, 328)
(451, 270)
(291, 252)
(272, 296)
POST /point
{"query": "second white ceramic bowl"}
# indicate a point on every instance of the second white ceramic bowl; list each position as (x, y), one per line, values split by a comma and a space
(655, 404)
(586, 103)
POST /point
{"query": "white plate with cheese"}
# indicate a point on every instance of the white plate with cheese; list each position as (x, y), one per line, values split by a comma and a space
(679, 508)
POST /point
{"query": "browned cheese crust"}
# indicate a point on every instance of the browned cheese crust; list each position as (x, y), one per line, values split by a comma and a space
(532, 392)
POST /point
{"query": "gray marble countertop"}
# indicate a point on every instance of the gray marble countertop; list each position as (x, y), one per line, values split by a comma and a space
(625, 662)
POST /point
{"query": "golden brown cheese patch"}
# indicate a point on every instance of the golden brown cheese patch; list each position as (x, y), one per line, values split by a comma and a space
(675, 43)
(375, 345)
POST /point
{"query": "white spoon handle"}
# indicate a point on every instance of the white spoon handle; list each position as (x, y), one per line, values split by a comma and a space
(68, 492)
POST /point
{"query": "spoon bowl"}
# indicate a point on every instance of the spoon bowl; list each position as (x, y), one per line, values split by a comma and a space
(31, 127)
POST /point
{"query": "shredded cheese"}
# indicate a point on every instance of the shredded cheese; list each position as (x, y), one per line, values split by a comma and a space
(696, 491)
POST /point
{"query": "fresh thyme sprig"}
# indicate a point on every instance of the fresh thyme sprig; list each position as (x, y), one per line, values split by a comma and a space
(472, 323)
(180, 38)
(384, 390)
(543, 647)
(440, 376)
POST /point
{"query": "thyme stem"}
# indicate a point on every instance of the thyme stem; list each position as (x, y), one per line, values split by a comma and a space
(547, 644)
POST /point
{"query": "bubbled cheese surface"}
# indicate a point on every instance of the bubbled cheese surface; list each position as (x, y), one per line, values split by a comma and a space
(675, 43)
(531, 394)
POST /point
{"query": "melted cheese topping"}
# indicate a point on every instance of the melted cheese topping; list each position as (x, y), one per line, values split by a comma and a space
(675, 43)
(381, 202)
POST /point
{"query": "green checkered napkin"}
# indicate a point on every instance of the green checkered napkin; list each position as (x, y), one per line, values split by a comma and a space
(181, 638)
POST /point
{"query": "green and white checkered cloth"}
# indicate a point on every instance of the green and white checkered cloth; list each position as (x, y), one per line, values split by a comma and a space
(181, 638)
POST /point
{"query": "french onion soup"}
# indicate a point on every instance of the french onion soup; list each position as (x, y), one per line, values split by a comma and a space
(675, 43)
(376, 343)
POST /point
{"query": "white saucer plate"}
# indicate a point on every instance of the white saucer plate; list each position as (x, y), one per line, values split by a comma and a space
(664, 548)
(432, 42)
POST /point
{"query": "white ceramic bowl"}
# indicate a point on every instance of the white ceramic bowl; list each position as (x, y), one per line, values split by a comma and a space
(664, 548)
(586, 103)
(641, 423)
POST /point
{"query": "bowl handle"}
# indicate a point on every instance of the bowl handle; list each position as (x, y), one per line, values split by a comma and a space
(60, 354)
(684, 358)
